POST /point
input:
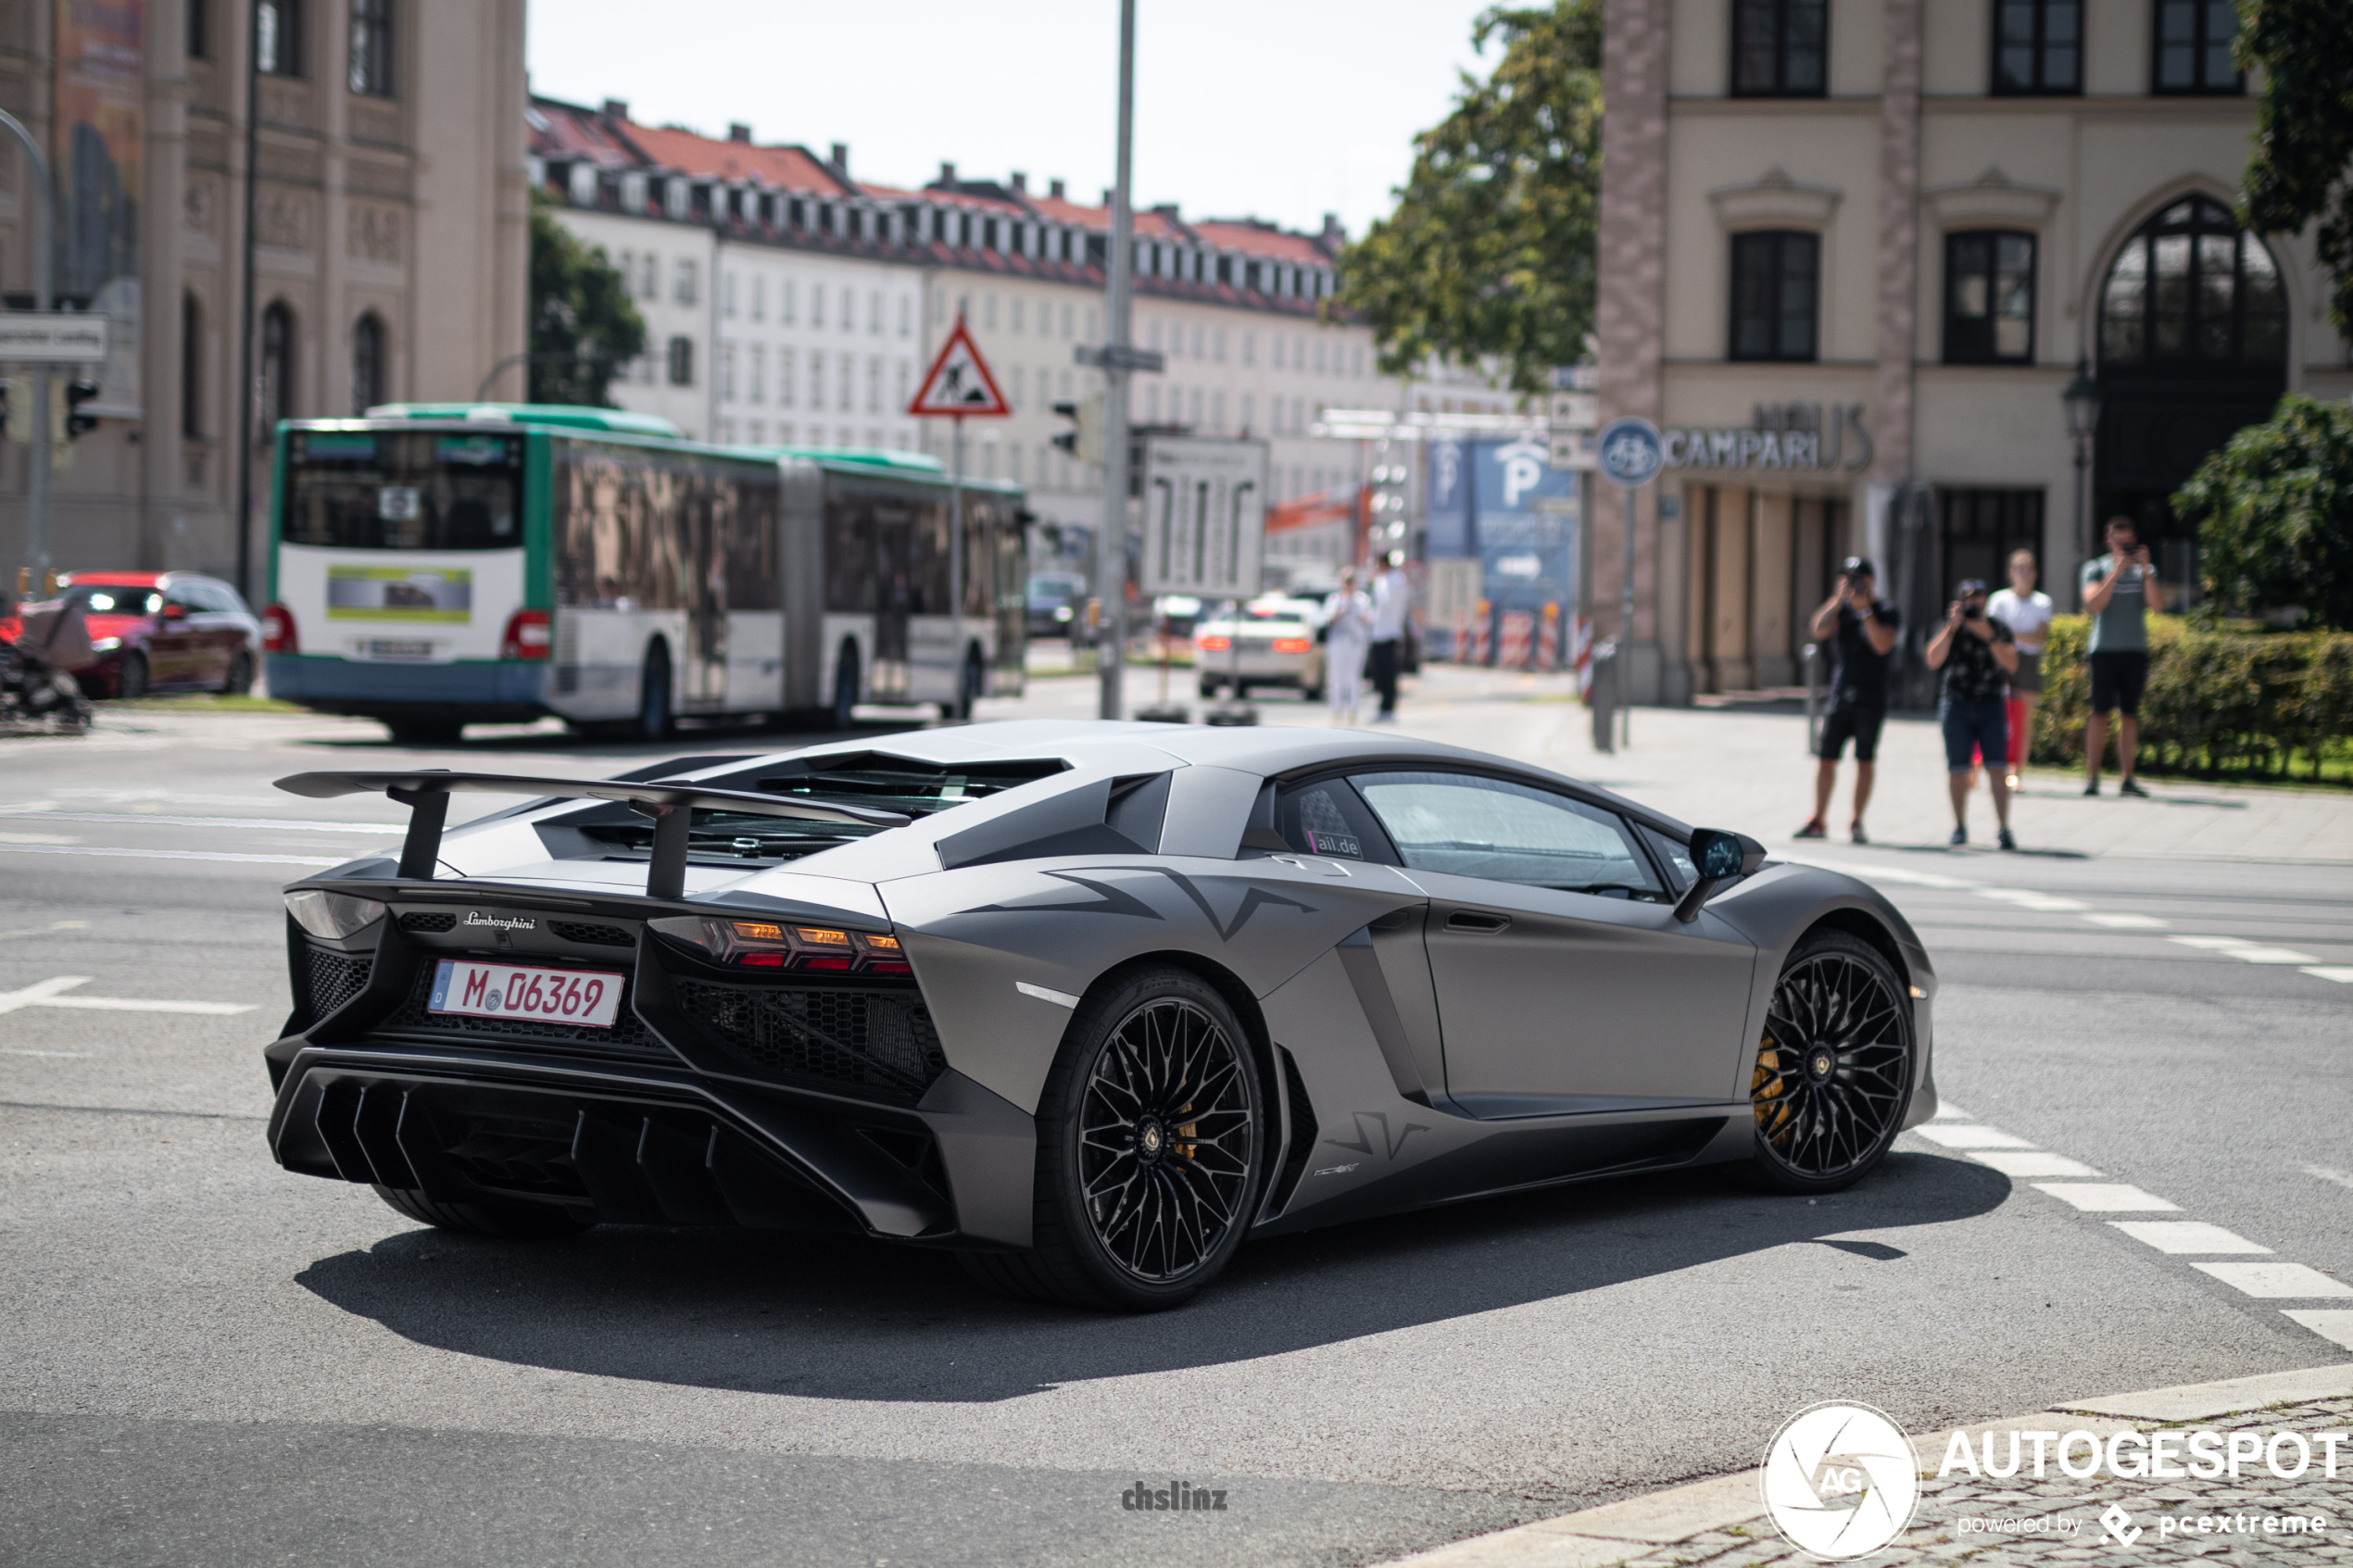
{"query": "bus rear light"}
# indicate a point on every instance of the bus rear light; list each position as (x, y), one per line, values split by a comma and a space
(278, 635)
(530, 634)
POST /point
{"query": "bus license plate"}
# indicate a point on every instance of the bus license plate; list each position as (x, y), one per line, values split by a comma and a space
(550, 995)
(393, 648)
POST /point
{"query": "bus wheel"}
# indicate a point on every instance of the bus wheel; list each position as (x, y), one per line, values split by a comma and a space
(425, 731)
(846, 686)
(653, 696)
(971, 684)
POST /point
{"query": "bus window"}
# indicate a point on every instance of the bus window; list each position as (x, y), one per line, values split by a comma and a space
(634, 529)
(850, 565)
(404, 489)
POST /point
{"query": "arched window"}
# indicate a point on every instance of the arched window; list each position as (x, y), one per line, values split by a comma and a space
(191, 368)
(276, 391)
(367, 363)
(2192, 288)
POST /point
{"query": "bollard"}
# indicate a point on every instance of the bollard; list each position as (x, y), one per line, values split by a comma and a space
(1606, 697)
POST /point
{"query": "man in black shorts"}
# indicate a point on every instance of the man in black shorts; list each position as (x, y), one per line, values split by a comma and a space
(2120, 589)
(1860, 628)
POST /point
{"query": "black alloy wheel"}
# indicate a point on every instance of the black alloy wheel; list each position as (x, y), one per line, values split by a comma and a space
(131, 684)
(1833, 1071)
(1150, 1149)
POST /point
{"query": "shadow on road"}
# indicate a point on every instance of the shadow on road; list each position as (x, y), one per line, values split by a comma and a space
(837, 1318)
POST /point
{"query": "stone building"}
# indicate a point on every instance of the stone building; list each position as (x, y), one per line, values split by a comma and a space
(1853, 251)
(390, 230)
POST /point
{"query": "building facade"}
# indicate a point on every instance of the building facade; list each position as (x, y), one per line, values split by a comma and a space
(1853, 251)
(390, 229)
(824, 298)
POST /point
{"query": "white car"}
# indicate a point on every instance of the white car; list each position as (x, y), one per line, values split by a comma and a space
(1279, 648)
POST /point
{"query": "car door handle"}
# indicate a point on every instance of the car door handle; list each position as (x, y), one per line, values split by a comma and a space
(1474, 919)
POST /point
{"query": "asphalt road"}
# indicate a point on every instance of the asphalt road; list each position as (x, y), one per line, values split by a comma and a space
(203, 1359)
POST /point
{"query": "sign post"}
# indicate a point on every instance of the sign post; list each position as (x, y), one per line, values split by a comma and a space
(959, 386)
(1205, 527)
(1630, 458)
(45, 227)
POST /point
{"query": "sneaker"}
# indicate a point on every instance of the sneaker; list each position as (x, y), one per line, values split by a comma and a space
(1856, 834)
(2005, 840)
(2092, 787)
(1813, 829)
(1961, 837)
(2132, 788)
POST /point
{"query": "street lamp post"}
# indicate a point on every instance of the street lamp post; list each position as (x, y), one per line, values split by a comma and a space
(2081, 401)
(1111, 549)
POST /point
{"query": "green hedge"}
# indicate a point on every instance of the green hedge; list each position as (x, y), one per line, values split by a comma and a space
(2220, 703)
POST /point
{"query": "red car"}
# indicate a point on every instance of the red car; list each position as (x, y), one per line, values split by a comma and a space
(162, 631)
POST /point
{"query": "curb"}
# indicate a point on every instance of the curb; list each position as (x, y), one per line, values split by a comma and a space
(1596, 1537)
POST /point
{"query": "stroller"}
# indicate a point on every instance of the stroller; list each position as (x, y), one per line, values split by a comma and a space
(39, 654)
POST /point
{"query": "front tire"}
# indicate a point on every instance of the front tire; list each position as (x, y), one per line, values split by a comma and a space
(238, 680)
(131, 684)
(1151, 1139)
(846, 686)
(514, 1222)
(970, 682)
(1833, 1069)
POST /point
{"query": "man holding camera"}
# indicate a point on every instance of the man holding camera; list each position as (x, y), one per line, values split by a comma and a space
(1860, 628)
(2120, 589)
(1978, 654)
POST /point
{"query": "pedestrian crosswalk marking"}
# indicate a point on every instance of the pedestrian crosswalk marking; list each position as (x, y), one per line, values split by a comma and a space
(2183, 1237)
(2106, 1198)
(2276, 1282)
(50, 994)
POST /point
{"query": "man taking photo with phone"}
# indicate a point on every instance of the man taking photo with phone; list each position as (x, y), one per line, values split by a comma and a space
(2120, 589)
(1860, 628)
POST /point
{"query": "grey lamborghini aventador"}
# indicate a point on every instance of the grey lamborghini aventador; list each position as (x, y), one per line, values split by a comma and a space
(1087, 1004)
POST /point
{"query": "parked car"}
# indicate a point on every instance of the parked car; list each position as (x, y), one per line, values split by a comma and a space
(1056, 606)
(164, 631)
(1278, 649)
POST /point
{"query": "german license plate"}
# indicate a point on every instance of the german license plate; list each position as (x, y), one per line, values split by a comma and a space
(547, 996)
(398, 647)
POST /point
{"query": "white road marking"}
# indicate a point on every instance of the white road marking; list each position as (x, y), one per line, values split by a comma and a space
(1880, 873)
(36, 838)
(44, 930)
(2129, 922)
(2276, 1282)
(1970, 1137)
(2186, 1236)
(2026, 899)
(2033, 1162)
(2335, 1326)
(47, 994)
(2249, 952)
(20, 1050)
(2107, 1197)
(394, 829)
(2340, 973)
(176, 854)
(2342, 1178)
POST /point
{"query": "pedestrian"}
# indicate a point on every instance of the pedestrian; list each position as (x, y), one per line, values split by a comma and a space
(1392, 596)
(1860, 628)
(1977, 653)
(2026, 613)
(1348, 630)
(2120, 589)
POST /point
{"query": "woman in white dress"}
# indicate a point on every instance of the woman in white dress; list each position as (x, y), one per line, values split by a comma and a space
(2028, 615)
(1348, 634)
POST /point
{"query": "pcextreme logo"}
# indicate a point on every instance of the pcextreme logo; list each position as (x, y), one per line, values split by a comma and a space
(1840, 1480)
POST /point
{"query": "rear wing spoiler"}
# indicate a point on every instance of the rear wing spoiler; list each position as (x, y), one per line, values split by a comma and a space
(426, 793)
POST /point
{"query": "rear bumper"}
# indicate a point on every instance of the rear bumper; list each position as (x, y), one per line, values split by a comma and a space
(690, 1111)
(486, 690)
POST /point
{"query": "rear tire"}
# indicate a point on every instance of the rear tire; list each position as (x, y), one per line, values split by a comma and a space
(131, 684)
(1151, 1144)
(238, 682)
(1832, 1073)
(1208, 688)
(514, 1222)
(970, 682)
(654, 719)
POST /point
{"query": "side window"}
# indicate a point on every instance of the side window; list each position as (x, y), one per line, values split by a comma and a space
(1325, 818)
(1674, 856)
(1469, 825)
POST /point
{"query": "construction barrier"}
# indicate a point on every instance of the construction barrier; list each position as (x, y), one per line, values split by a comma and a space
(1519, 628)
(1548, 639)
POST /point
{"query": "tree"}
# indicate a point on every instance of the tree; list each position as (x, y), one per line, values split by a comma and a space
(2303, 129)
(584, 327)
(2274, 514)
(1492, 247)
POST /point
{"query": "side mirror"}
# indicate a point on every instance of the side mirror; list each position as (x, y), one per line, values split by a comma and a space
(1719, 857)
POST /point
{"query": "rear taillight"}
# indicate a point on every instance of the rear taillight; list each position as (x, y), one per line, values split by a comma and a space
(1210, 642)
(530, 634)
(278, 635)
(1293, 645)
(750, 944)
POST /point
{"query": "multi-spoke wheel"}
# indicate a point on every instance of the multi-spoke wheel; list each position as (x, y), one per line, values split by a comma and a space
(1150, 1149)
(1833, 1069)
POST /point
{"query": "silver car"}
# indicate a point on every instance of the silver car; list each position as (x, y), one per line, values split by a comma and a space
(1089, 1004)
(1279, 648)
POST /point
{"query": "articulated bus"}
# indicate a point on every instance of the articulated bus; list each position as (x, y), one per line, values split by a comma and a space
(436, 564)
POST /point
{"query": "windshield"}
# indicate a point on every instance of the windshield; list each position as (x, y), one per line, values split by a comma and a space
(112, 599)
(402, 490)
(891, 783)
(1045, 590)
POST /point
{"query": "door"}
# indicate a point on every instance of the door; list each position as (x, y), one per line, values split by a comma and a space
(220, 622)
(704, 688)
(897, 586)
(176, 648)
(1564, 981)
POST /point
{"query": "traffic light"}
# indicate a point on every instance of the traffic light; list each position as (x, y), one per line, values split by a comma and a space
(78, 423)
(1084, 439)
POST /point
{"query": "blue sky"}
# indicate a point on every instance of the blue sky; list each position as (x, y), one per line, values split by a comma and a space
(1284, 109)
